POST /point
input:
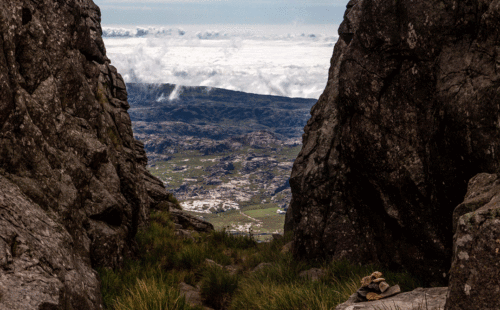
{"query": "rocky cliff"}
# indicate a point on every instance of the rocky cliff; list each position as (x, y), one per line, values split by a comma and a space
(410, 113)
(73, 184)
(475, 269)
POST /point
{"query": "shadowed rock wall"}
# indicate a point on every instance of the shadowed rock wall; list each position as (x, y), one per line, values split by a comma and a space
(409, 115)
(73, 183)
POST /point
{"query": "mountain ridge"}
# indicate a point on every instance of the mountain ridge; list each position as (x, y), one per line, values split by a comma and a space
(204, 106)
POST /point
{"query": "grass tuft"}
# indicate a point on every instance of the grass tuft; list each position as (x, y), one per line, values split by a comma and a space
(151, 294)
(218, 286)
(190, 257)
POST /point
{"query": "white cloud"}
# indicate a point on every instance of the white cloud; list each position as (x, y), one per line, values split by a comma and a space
(176, 93)
(288, 61)
(261, 2)
(159, 1)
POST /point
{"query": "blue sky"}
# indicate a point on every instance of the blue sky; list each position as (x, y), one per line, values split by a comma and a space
(178, 12)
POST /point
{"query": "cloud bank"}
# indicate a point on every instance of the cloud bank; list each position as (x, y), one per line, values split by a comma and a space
(281, 60)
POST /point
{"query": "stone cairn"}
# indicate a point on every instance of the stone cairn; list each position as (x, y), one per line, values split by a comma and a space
(374, 287)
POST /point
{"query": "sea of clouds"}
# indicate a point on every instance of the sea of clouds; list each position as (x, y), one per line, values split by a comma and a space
(289, 61)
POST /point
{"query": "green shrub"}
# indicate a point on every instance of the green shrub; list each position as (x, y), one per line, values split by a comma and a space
(221, 237)
(218, 286)
(190, 257)
(218, 255)
(281, 272)
(111, 286)
(158, 245)
(163, 218)
(266, 252)
(344, 270)
(162, 206)
(172, 199)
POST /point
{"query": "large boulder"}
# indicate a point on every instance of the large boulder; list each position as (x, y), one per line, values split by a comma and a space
(421, 298)
(73, 183)
(408, 116)
(475, 269)
(190, 222)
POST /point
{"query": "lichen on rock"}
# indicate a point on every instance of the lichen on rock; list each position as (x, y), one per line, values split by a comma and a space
(475, 268)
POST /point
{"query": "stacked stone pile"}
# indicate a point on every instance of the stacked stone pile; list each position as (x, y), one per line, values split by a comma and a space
(374, 287)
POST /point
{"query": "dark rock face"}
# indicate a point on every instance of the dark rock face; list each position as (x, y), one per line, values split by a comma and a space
(409, 115)
(40, 267)
(73, 186)
(475, 269)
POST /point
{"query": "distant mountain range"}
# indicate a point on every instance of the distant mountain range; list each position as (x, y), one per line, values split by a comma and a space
(214, 113)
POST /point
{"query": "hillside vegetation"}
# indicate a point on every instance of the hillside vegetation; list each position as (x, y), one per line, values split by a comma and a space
(223, 267)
